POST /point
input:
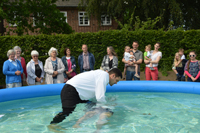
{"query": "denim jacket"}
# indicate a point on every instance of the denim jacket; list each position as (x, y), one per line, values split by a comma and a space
(66, 65)
(91, 61)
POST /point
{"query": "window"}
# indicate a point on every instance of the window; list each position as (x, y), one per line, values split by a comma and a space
(37, 21)
(14, 25)
(83, 19)
(106, 20)
(65, 14)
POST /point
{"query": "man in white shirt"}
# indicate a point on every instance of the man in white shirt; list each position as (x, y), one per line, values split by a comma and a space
(83, 87)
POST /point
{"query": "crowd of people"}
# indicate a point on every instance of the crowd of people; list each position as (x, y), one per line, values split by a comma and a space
(60, 70)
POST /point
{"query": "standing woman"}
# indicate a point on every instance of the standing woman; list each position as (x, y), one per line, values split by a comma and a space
(155, 58)
(12, 68)
(70, 65)
(18, 51)
(54, 68)
(35, 70)
(110, 60)
(192, 68)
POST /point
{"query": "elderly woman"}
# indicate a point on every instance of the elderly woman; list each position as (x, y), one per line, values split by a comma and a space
(12, 68)
(35, 70)
(70, 65)
(110, 60)
(18, 51)
(54, 68)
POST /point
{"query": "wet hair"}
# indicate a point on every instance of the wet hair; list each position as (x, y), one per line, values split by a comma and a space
(66, 51)
(115, 71)
(112, 50)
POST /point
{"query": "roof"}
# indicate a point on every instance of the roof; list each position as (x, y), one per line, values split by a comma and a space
(67, 3)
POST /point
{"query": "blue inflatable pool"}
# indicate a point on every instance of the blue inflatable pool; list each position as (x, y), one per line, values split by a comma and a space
(122, 86)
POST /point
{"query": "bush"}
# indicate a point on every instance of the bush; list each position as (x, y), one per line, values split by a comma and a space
(97, 43)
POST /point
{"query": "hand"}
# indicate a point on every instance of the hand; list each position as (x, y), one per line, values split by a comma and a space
(193, 79)
(55, 73)
(130, 63)
(150, 59)
(134, 62)
(38, 79)
(17, 72)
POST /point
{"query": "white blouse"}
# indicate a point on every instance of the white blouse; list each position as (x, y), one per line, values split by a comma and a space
(154, 57)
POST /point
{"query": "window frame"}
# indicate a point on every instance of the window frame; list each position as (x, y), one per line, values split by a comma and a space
(84, 16)
(106, 24)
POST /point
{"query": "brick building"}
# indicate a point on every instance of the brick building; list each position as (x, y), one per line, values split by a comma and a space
(77, 19)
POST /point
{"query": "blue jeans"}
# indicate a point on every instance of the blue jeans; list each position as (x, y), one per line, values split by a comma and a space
(130, 75)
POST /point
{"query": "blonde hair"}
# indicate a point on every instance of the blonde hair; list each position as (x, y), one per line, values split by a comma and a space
(148, 46)
(176, 61)
(126, 48)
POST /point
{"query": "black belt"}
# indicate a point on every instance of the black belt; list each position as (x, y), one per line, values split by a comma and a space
(86, 69)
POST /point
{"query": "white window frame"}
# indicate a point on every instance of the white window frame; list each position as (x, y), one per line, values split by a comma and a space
(34, 20)
(65, 14)
(13, 25)
(105, 16)
(84, 16)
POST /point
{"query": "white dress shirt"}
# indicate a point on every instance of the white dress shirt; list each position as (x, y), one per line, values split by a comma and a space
(182, 57)
(91, 84)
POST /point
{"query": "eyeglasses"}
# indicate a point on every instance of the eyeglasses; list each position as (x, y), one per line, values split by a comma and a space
(35, 56)
(192, 55)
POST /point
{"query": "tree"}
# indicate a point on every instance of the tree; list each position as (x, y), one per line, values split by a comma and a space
(40, 16)
(180, 12)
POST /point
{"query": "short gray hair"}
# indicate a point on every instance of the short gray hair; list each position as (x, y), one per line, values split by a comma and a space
(34, 52)
(51, 50)
(16, 48)
(10, 52)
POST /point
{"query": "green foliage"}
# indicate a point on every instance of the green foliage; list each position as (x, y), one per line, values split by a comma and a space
(40, 16)
(97, 43)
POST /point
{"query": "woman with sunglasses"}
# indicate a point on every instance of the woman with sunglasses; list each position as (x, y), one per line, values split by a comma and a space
(192, 68)
(35, 70)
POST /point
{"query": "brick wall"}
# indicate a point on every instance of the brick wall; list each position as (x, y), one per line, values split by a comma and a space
(72, 19)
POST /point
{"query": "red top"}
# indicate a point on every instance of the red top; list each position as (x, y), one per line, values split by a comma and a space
(23, 63)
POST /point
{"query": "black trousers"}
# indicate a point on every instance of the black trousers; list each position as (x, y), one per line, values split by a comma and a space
(69, 98)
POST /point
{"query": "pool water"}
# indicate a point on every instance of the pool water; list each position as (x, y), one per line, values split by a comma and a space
(133, 112)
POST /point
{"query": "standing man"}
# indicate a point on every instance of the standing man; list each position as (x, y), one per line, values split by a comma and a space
(130, 70)
(86, 60)
(83, 87)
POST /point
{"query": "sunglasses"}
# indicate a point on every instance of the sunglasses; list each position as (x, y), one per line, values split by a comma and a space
(192, 55)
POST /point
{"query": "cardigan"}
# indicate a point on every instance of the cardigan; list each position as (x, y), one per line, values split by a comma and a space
(31, 71)
(48, 68)
(9, 70)
(105, 63)
(66, 65)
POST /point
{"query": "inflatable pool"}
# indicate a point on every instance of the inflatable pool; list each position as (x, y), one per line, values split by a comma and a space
(122, 86)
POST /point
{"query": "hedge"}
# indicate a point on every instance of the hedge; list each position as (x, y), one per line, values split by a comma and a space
(97, 43)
